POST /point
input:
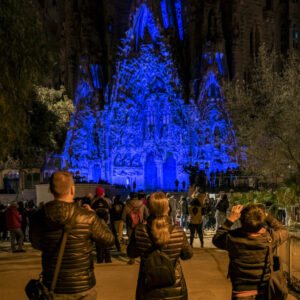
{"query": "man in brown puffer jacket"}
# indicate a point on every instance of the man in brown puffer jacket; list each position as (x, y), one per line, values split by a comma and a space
(247, 248)
(76, 279)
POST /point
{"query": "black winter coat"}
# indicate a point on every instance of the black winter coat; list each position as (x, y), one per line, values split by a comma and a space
(247, 253)
(77, 269)
(177, 247)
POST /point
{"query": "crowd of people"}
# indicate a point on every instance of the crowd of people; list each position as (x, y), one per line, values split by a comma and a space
(14, 222)
(215, 179)
(156, 226)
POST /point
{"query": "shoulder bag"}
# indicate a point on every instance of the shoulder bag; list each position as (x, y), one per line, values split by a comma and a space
(277, 285)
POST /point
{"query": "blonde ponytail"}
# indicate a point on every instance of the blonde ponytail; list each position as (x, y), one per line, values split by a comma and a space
(159, 208)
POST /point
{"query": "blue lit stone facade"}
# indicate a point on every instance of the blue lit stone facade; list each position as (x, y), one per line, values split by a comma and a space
(146, 133)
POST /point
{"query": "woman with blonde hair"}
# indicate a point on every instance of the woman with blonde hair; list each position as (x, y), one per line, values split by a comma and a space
(159, 233)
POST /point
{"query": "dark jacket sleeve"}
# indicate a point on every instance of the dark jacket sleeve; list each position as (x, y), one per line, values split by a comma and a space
(101, 233)
(36, 229)
(186, 251)
(220, 239)
(279, 232)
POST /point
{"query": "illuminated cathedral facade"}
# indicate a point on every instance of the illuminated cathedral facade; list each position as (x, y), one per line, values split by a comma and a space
(146, 133)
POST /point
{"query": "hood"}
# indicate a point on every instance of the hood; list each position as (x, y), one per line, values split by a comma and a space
(135, 202)
(58, 213)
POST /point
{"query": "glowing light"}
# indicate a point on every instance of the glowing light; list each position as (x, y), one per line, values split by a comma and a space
(170, 13)
(179, 18)
(144, 19)
(95, 76)
(164, 13)
(146, 133)
(219, 62)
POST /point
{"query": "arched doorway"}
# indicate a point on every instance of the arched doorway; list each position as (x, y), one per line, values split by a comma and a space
(150, 173)
(169, 172)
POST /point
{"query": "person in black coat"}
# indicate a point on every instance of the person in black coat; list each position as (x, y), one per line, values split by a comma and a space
(170, 239)
(76, 278)
(247, 247)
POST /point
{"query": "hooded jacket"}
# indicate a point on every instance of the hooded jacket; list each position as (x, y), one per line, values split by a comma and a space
(135, 203)
(77, 269)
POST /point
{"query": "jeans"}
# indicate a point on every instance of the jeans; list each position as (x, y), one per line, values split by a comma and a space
(220, 219)
(183, 220)
(117, 230)
(173, 217)
(87, 295)
(16, 233)
(205, 221)
(193, 228)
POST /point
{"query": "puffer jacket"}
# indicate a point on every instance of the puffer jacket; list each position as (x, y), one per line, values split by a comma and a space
(247, 253)
(177, 247)
(77, 269)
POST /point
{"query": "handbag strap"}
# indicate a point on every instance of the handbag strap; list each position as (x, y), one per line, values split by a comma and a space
(269, 254)
(67, 228)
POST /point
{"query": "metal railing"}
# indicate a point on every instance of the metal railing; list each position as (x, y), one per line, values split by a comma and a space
(289, 254)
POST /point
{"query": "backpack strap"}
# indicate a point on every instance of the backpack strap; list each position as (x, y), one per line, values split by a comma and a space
(268, 258)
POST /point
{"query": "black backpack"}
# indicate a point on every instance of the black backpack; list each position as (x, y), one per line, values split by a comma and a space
(102, 210)
(158, 269)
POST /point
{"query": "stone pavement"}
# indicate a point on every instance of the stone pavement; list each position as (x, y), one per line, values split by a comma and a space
(205, 274)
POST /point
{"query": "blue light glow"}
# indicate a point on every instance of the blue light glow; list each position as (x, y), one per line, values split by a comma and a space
(219, 62)
(142, 20)
(164, 13)
(146, 134)
(179, 18)
(170, 13)
(95, 76)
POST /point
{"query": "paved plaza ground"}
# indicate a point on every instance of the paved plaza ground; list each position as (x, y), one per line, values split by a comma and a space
(205, 274)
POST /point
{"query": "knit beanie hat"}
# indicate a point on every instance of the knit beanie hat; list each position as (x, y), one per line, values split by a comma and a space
(99, 191)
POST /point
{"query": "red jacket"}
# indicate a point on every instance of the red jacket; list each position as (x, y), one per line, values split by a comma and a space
(13, 218)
